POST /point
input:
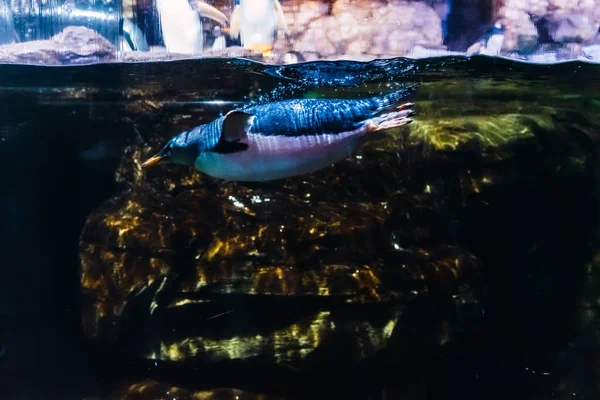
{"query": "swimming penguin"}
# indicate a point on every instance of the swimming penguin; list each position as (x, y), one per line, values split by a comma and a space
(257, 23)
(181, 25)
(285, 138)
(491, 43)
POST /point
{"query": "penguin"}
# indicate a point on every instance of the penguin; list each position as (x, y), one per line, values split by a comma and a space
(292, 57)
(220, 41)
(8, 34)
(286, 138)
(491, 42)
(257, 23)
(132, 37)
(181, 25)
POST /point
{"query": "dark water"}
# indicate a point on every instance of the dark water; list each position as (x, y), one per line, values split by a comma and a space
(64, 132)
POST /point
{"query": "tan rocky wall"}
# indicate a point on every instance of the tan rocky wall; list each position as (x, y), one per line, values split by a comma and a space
(567, 21)
(362, 30)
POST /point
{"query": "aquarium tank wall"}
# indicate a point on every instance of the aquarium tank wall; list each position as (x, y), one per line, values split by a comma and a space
(286, 199)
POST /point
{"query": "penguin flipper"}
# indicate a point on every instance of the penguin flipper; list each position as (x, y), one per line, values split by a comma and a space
(234, 24)
(392, 120)
(207, 11)
(394, 100)
(236, 125)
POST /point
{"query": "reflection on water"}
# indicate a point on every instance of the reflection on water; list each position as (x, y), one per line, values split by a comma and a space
(454, 257)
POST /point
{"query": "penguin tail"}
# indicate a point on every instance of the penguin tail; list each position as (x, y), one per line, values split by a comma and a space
(395, 99)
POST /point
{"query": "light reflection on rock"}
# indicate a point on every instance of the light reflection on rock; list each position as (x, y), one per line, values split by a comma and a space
(288, 269)
(287, 346)
(152, 390)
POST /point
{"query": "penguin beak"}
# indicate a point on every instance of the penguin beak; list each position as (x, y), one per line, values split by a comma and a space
(207, 11)
(154, 160)
(161, 157)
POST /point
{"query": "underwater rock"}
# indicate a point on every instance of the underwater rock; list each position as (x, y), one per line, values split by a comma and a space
(204, 270)
(127, 246)
(238, 272)
(152, 390)
(74, 45)
(576, 371)
(252, 245)
(331, 268)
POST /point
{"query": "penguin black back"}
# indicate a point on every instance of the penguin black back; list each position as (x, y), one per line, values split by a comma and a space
(316, 116)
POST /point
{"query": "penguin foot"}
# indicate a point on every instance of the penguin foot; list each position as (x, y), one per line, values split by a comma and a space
(266, 49)
(268, 54)
(392, 120)
(404, 106)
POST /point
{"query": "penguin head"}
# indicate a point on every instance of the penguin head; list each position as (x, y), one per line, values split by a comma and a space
(222, 135)
(176, 151)
(497, 29)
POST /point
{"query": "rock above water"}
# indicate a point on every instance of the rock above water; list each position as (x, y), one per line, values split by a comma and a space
(528, 22)
(74, 45)
(573, 27)
(374, 29)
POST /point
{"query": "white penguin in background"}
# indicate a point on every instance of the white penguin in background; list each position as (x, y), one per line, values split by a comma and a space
(257, 23)
(220, 41)
(181, 25)
(491, 43)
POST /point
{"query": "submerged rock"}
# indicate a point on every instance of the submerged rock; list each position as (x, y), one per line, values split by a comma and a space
(285, 271)
(152, 390)
(201, 258)
(361, 263)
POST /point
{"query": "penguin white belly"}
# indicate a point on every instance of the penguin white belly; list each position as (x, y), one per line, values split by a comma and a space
(493, 45)
(277, 157)
(258, 23)
(181, 26)
(219, 43)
